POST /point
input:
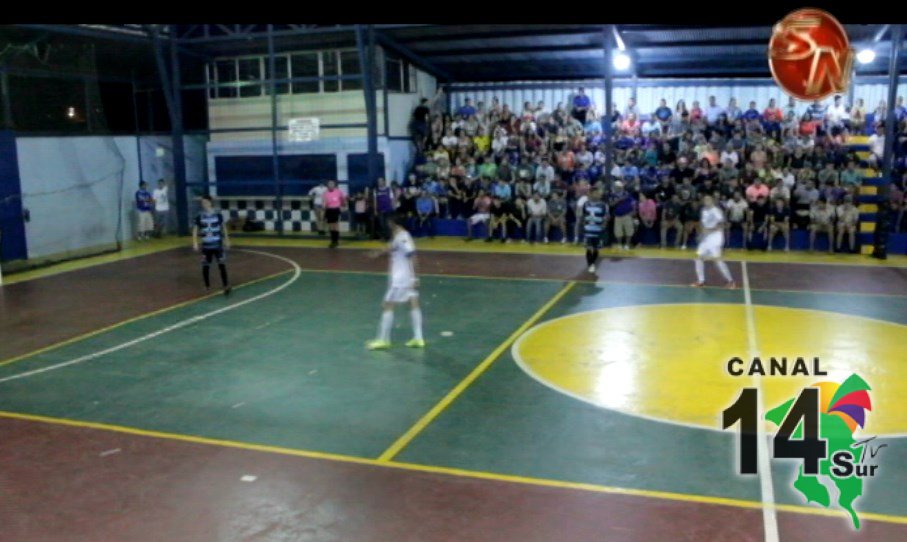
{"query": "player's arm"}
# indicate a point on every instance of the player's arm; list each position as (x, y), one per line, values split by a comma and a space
(195, 237)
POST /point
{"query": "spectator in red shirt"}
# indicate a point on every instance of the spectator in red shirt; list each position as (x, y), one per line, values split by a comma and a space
(757, 190)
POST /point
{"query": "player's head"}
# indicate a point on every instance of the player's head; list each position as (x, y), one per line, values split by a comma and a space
(143, 185)
(707, 201)
(162, 183)
(207, 202)
(332, 184)
(395, 222)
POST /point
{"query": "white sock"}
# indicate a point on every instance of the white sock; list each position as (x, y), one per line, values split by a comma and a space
(722, 268)
(387, 322)
(417, 323)
(700, 270)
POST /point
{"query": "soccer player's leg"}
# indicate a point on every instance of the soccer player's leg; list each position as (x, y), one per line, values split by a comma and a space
(221, 256)
(593, 242)
(207, 258)
(383, 340)
(415, 311)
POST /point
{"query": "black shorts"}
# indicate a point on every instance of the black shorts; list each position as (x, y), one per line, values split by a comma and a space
(332, 216)
(210, 254)
(593, 242)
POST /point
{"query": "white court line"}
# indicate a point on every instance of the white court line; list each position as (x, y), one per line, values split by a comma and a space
(769, 516)
(297, 272)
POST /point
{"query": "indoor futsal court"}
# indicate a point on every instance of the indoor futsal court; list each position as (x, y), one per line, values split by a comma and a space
(145, 411)
(486, 281)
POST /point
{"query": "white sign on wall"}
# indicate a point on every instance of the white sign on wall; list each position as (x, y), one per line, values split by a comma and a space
(303, 129)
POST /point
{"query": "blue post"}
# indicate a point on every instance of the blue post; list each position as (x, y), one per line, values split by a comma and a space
(275, 161)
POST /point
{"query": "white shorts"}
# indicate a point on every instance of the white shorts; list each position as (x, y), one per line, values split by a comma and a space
(146, 221)
(711, 245)
(400, 295)
(478, 217)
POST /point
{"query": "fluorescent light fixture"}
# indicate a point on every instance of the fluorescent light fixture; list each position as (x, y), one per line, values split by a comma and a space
(865, 56)
(621, 61)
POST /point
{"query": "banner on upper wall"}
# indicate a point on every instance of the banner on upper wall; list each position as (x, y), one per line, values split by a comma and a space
(303, 129)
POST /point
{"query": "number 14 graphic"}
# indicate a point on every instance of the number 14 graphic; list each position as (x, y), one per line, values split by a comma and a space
(805, 410)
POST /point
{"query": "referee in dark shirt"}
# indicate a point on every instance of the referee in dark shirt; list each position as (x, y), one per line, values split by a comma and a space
(214, 241)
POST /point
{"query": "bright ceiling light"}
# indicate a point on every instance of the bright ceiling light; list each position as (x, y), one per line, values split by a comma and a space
(621, 61)
(865, 56)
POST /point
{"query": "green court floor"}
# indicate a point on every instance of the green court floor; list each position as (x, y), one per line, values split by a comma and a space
(290, 370)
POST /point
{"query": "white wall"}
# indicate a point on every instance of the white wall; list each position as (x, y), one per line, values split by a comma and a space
(649, 93)
(347, 107)
(75, 189)
(80, 190)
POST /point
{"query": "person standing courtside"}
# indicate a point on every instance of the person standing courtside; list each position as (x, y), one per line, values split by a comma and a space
(144, 204)
(384, 207)
(161, 208)
(214, 242)
(334, 201)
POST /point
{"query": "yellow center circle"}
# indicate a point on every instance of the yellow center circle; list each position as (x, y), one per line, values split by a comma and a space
(669, 362)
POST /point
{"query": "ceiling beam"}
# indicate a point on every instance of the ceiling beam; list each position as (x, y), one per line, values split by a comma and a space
(389, 43)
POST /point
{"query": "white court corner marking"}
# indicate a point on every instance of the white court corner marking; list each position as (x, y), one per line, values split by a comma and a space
(769, 515)
(297, 272)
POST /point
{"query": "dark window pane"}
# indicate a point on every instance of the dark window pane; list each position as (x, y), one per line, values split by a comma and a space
(330, 69)
(305, 65)
(409, 78)
(281, 67)
(45, 104)
(392, 79)
(226, 73)
(349, 65)
(250, 72)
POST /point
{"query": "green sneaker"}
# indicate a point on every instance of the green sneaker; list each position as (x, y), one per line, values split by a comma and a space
(377, 344)
(415, 343)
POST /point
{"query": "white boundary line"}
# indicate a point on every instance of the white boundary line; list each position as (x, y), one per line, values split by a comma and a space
(769, 515)
(297, 272)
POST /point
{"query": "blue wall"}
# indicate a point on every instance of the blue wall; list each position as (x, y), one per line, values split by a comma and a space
(12, 227)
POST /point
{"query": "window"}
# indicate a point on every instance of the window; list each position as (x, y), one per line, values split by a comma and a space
(305, 65)
(349, 65)
(394, 74)
(411, 79)
(330, 64)
(250, 76)
(226, 73)
(282, 71)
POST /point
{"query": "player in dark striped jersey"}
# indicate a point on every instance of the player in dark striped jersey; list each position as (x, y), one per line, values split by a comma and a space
(595, 214)
(214, 241)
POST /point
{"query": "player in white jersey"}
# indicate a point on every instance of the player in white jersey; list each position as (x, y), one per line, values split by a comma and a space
(403, 287)
(711, 242)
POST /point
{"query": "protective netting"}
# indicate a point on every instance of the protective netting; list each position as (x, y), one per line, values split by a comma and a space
(75, 191)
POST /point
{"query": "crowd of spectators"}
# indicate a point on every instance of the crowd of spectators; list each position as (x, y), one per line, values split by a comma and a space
(525, 173)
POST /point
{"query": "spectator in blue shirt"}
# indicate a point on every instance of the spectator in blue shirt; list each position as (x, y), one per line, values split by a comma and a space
(502, 190)
(426, 210)
(900, 112)
(467, 110)
(144, 205)
(752, 113)
(663, 113)
(817, 111)
(581, 105)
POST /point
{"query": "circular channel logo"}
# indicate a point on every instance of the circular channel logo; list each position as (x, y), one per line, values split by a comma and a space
(810, 55)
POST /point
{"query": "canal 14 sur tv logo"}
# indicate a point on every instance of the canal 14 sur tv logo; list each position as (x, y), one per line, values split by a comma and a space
(818, 427)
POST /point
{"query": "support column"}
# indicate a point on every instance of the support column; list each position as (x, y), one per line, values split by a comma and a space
(275, 163)
(179, 153)
(882, 223)
(365, 42)
(609, 88)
